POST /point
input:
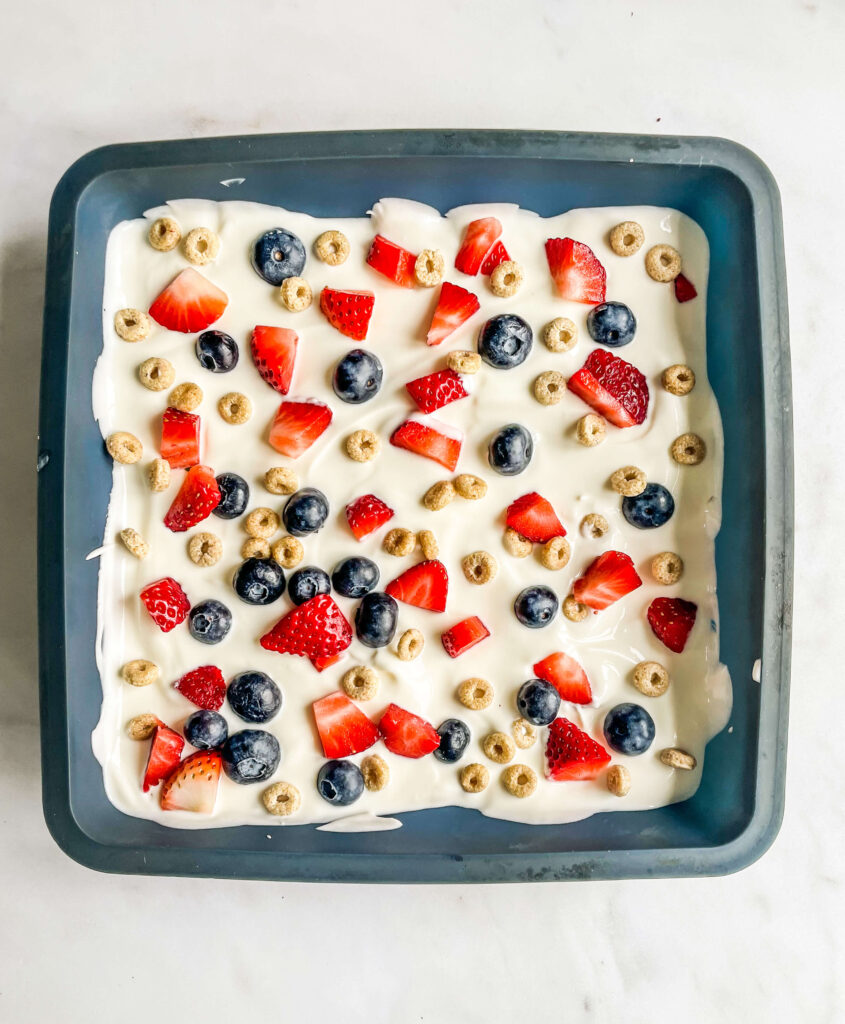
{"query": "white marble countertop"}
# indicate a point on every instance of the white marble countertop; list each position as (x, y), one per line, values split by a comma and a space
(760, 945)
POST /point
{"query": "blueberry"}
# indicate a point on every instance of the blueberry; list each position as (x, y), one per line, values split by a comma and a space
(505, 341)
(612, 323)
(277, 255)
(234, 496)
(340, 782)
(538, 701)
(251, 755)
(254, 697)
(629, 729)
(209, 621)
(305, 512)
(217, 351)
(205, 729)
(259, 581)
(357, 377)
(307, 583)
(535, 607)
(652, 508)
(354, 577)
(510, 450)
(375, 619)
(454, 737)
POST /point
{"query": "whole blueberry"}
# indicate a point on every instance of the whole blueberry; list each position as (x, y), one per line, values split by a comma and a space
(254, 697)
(251, 755)
(375, 619)
(510, 450)
(305, 512)
(205, 729)
(259, 581)
(612, 324)
(505, 341)
(277, 255)
(652, 508)
(629, 729)
(454, 737)
(234, 496)
(354, 577)
(217, 351)
(340, 782)
(209, 621)
(357, 377)
(538, 701)
(535, 607)
(307, 582)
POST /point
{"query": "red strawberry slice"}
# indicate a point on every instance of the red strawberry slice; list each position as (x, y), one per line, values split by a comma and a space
(189, 304)
(424, 585)
(479, 239)
(393, 261)
(498, 254)
(454, 307)
(193, 784)
(431, 438)
(684, 289)
(463, 635)
(203, 686)
(572, 755)
(315, 629)
(567, 676)
(577, 273)
(615, 389)
(343, 727)
(297, 426)
(366, 514)
(671, 620)
(165, 751)
(534, 518)
(407, 735)
(435, 390)
(198, 497)
(274, 354)
(322, 663)
(166, 602)
(348, 312)
(180, 438)
(607, 578)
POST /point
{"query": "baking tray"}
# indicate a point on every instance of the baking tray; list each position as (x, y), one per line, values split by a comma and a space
(736, 812)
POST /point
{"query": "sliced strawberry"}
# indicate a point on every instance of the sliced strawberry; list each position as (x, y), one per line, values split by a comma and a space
(607, 578)
(166, 602)
(533, 517)
(180, 438)
(576, 271)
(567, 676)
(393, 261)
(572, 755)
(454, 307)
(366, 514)
(407, 735)
(498, 254)
(165, 751)
(297, 426)
(684, 289)
(348, 312)
(189, 304)
(671, 620)
(614, 388)
(193, 784)
(435, 390)
(431, 438)
(479, 239)
(315, 629)
(322, 662)
(203, 686)
(274, 354)
(424, 585)
(463, 635)
(197, 498)
(343, 727)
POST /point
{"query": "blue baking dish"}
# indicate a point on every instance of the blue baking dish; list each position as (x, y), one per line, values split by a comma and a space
(736, 812)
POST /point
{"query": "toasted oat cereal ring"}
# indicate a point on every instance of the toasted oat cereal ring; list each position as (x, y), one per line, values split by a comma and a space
(574, 610)
(663, 263)
(411, 645)
(376, 772)
(475, 694)
(165, 234)
(618, 780)
(134, 543)
(255, 547)
(363, 445)
(132, 324)
(470, 487)
(667, 567)
(560, 335)
(205, 549)
(185, 397)
(506, 279)
(124, 447)
(688, 449)
(288, 552)
(202, 245)
(524, 733)
(627, 238)
(590, 430)
(428, 544)
(158, 475)
(555, 553)
(464, 362)
(651, 679)
(282, 799)
(439, 495)
(678, 379)
(399, 542)
(519, 780)
(296, 294)
(629, 480)
(141, 727)
(332, 247)
(235, 407)
(474, 778)
(429, 268)
(156, 374)
(360, 682)
(281, 480)
(675, 758)
(594, 526)
(141, 672)
(515, 544)
(262, 522)
(549, 387)
(479, 567)
(499, 747)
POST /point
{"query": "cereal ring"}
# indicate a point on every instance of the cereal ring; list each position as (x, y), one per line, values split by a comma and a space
(439, 495)
(165, 234)
(141, 672)
(549, 387)
(363, 445)
(678, 379)
(296, 294)
(360, 682)
(464, 362)
(262, 522)
(255, 547)
(282, 799)
(475, 694)
(429, 268)
(594, 526)
(411, 645)
(428, 544)
(618, 780)
(675, 758)
(474, 778)
(627, 238)
(288, 552)
(158, 475)
(332, 247)
(156, 374)
(590, 430)
(135, 543)
(235, 407)
(205, 549)
(141, 727)
(479, 567)
(281, 480)
(688, 449)
(574, 610)
(506, 279)
(376, 772)
(560, 335)
(185, 397)
(399, 542)
(202, 245)
(651, 679)
(470, 487)
(663, 263)
(629, 480)
(667, 567)
(524, 733)
(124, 447)
(499, 747)
(554, 554)
(519, 780)
(515, 544)
(132, 324)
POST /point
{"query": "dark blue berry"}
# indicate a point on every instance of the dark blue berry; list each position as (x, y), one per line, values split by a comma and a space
(535, 607)
(205, 729)
(254, 697)
(307, 582)
(629, 729)
(277, 255)
(538, 701)
(354, 577)
(511, 449)
(505, 341)
(357, 377)
(259, 581)
(305, 512)
(340, 782)
(217, 351)
(454, 737)
(234, 496)
(251, 755)
(209, 621)
(612, 324)
(652, 508)
(375, 619)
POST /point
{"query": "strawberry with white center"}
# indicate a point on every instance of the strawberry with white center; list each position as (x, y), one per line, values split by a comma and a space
(203, 686)
(606, 579)
(671, 620)
(407, 734)
(572, 755)
(613, 387)
(479, 238)
(366, 514)
(348, 312)
(196, 499)
(189, 304)
(390, 259)
(180, 438)
(435, 390)
(274, 354)
(166, 602)
(165, 751)
(297, 425)
(424, 585)
(567, 676)
(431, 438)
(193, 784)
(315, 629)
(577, 273)
(454, 307)
(533, 517)
(463, 636)
(343, 727)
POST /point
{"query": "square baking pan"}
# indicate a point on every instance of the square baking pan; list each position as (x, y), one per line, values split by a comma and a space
(736, 812)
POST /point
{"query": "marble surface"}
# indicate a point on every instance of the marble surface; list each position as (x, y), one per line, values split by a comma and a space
(761, 945)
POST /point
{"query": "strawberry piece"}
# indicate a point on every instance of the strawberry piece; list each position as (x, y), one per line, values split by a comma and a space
(393, 261)
(567, 676)
(576, 271)
(615, 389)
(534, 518)
(671, 620)
(607, 578)
(274, 354)
(343, 727)
(435, 390)
(366, 514)
(454, 307)
(322, 662)
(315, 629)
(498, 254)
(463, 635)
(348, 312)
(424, 585)
(203, 686)
(572, 755)
(407, 735)
(431, 438)
(189, 304)
(297, 426)
(198, 497)
(684, 289)
(193, 784)
(479, 239)
(165, 751)
(166, 602)
(180, 438)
